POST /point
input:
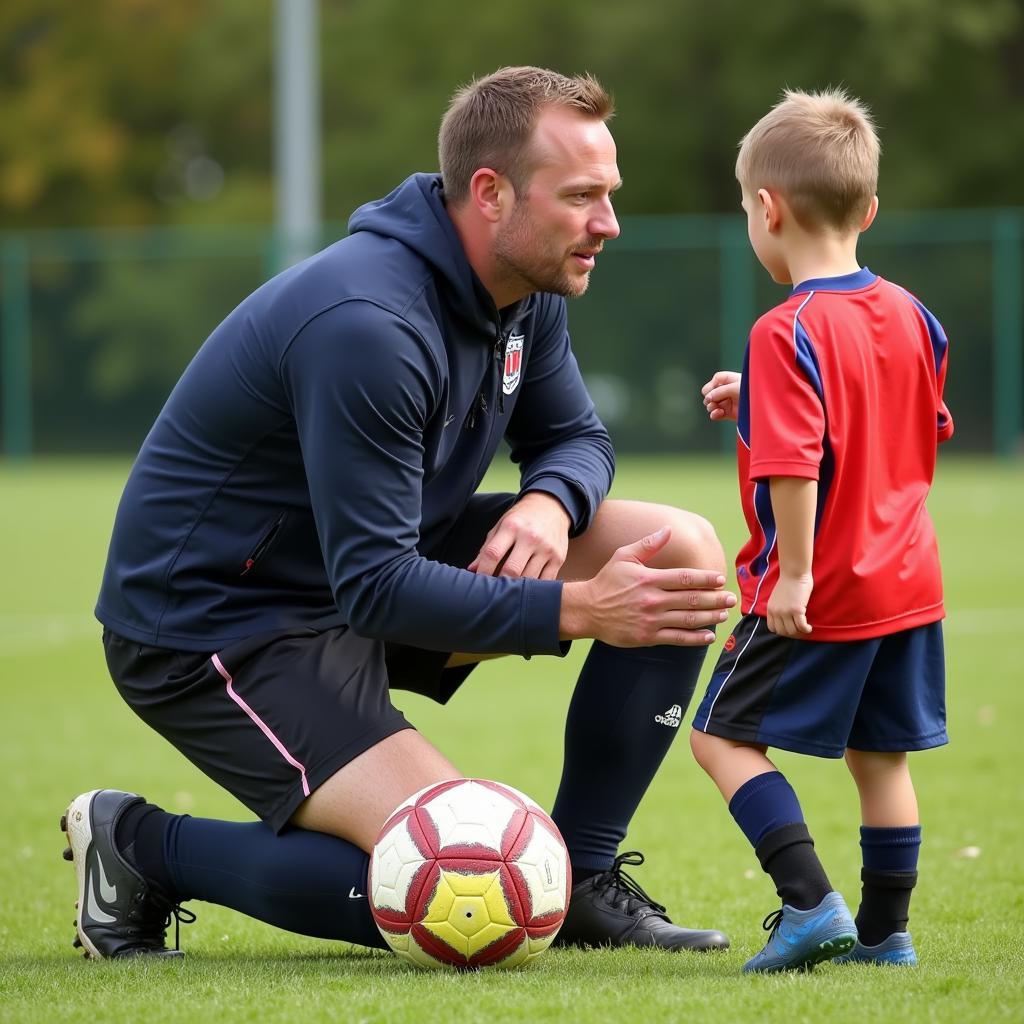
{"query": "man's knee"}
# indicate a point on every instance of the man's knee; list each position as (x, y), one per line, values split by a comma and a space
(693, 543)
(619, 522)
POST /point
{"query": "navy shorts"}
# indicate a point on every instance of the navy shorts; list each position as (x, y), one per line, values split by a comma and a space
(274, 716)
(886, 694)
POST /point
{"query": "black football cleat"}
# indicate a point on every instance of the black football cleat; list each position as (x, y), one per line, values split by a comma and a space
(120, 914)
(610, 909)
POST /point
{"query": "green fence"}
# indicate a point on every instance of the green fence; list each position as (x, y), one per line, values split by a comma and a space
(96, 326)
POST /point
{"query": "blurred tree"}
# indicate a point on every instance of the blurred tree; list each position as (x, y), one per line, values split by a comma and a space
(140, 111)
(134, 111)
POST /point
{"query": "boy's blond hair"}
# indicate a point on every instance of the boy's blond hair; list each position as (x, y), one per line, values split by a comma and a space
(820, 151)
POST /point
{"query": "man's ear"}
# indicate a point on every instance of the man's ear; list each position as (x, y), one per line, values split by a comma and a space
(870, 215)
(771, 209)
(491, 193)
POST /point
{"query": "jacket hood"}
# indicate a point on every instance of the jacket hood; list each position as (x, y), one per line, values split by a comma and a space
(415, 215)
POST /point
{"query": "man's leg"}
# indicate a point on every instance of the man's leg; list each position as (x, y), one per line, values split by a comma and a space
(136, 863)
(306, 880)
(624, 714)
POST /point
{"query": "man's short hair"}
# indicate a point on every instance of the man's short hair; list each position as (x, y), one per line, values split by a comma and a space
(820, 151)
(490, 121)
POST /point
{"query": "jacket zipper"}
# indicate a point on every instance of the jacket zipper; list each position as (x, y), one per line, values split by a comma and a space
(500, 353)
(264, 542)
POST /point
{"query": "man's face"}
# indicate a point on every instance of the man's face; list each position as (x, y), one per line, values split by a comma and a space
(564, 215)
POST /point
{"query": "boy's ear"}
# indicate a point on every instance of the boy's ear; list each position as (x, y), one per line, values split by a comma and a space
(870, 215)
(771, 209)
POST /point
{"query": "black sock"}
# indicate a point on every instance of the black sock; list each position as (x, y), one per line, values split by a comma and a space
(624, 714)
(305, 882)
(140, 835)
(884, 904)
(787, 854)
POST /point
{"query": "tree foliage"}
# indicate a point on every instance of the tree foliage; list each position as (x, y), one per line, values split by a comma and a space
(141, 111)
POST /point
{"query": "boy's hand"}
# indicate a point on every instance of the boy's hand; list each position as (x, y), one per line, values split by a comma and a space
(787, 607)
(722, 395)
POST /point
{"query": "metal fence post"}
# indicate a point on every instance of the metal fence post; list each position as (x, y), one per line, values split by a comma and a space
(1007, 333)
(15, 349)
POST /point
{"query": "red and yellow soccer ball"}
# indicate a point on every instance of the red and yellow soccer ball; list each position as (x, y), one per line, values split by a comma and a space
(469, 873)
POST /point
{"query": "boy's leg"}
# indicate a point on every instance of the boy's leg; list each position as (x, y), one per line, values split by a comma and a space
(814, 923)
(768, 812)
(902, 708)
(890, 840)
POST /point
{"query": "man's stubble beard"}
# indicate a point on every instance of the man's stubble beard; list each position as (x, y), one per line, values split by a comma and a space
(512, 250)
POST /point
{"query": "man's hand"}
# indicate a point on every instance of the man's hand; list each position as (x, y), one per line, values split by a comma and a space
(530, 539)
(787, 607)
(722, 395)
(629, 604)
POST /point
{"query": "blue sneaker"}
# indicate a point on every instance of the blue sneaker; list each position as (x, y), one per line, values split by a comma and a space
(897, 950)
(802, 938)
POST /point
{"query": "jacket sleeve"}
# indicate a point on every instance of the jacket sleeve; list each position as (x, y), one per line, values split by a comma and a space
(362, 387)
(555, 434)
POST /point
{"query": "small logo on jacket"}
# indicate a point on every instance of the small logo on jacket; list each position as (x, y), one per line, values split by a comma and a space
(513, 363)
(671, 718)
(731, 642)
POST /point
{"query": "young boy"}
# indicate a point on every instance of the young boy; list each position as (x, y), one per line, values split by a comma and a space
(839, 651)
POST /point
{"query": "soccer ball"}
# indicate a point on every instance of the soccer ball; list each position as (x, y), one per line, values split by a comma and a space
(469, 873)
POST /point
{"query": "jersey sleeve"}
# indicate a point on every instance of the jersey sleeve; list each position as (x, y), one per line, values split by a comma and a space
(939, 344)
(785, 399)
(555, 434)
(362, 387)
(943, 419)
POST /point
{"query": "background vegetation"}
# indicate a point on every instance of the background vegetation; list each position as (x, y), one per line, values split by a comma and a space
(131, 112)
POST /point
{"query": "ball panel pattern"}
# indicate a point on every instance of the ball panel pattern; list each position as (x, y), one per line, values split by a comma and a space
(469, 873)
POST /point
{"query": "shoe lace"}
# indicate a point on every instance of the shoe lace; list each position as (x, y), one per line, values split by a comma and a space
(153, 918)
(181, 916)
(616, 878)
(772, 921)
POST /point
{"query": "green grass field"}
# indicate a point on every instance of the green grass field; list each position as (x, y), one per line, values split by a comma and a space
(65, 730)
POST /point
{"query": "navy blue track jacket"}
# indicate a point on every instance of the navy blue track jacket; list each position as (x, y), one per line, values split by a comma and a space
(331, 429)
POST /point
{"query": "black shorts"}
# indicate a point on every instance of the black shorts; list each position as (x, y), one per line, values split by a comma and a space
(272, 717)
(885, 694)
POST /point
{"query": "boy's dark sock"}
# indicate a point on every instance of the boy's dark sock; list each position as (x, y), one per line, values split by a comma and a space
(787, 854)
(888, 879)
(763, 804)
(884, 904)
(624, 714)
(306, 882)
(767, 810)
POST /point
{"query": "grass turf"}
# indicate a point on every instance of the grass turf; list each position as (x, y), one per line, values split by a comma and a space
(65, 730)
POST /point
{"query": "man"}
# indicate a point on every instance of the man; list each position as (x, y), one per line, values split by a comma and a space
(301, 532)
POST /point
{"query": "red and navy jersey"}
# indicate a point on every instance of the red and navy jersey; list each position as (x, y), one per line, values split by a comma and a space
(842, 383)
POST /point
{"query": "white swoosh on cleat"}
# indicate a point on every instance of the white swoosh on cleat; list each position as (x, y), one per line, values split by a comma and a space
(107, 891)
(353, 895)
(93, 908)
